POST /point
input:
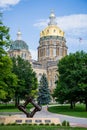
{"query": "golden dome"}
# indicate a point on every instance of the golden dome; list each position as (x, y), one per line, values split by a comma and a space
(52, 29)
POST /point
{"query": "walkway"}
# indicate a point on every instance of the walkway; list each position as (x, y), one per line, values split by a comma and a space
(74, 121)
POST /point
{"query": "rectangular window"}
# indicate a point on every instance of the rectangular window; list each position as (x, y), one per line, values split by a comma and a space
(60, 51)
(54, 51)
(47, 51)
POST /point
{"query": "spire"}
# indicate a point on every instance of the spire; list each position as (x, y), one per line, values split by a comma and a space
(19, 35)
(52, 18)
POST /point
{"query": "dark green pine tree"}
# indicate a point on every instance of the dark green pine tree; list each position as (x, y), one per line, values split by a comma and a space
(44, 96)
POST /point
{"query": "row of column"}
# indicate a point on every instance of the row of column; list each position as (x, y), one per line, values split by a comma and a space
(52, 52)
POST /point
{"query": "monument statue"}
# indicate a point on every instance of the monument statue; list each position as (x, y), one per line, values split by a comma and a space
(23, 107)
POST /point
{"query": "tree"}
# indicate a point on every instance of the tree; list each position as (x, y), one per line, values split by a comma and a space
(44, 92)
(72, 81)
(27, 81)
(83, 82)
(4, 38)
(7, 78)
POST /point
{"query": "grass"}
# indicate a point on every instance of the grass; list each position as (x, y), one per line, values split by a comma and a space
(78, 111)
(27, 127)
(11, 108)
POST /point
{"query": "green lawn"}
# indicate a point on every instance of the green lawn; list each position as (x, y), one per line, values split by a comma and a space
(27, 127)
(78, 111)
(11, 108)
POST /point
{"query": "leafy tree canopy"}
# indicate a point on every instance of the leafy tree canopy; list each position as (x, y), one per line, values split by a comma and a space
(27, 81)
(7, 78)
(72, 83)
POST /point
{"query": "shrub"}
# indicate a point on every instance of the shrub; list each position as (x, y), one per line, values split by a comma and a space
(68, 123)
(52, 124)
(41, 124)
(47, 124)
(64, 123)
(2, 124)
(34, 124)
(58, 124)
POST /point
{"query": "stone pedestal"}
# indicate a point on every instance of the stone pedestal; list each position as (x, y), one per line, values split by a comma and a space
(20, 120)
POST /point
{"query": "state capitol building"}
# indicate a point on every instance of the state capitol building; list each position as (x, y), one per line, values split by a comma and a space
(51, 48)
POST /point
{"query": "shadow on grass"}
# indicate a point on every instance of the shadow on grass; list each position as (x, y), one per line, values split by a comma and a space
(11, 108)
(78, 111)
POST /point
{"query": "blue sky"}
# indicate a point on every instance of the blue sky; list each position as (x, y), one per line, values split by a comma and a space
(31, 16)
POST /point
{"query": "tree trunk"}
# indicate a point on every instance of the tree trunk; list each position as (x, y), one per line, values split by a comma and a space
(16, 101)
(71, 104)
(86, 104)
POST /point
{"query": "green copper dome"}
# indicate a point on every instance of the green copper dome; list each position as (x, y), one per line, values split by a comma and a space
(18, 45)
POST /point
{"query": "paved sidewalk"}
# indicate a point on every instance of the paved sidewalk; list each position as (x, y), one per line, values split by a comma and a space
(74, 121)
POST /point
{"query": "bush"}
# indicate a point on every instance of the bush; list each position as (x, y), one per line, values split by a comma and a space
(58, 124)
(68, 123)
(1, 124)
(47, 124)
(52, 124)
(65, 123)
(41, 124)
(34, 124)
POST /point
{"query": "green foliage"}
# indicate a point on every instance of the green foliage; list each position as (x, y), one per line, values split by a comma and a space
(38, 127)
(44, 92)
(52, 124)
(65, 123)
(4, 37)
(7, 78)
(41, 124)
(27, 81)
(68, 124)
(72, 83)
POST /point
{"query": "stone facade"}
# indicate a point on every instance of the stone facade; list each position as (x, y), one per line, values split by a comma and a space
(20, 120)
(52, 47)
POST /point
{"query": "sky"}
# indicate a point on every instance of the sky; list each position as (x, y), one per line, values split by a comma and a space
(32, 16)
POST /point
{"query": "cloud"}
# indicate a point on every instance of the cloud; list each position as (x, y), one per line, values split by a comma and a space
(5, 4)
(73, 21)
(41, 23)
(66, 22)
(74, 26)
